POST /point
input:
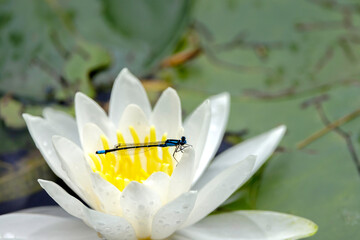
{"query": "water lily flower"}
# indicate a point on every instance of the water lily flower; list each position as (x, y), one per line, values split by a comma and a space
(152, 194)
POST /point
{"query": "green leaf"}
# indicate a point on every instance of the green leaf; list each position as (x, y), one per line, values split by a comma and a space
(273, 56)
(10, 112)
(19, 181)
(79, 66)
(37, 46)
(51, 49)
(137, 33)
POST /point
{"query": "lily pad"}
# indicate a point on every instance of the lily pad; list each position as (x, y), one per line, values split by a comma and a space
(51, 49)
(276, 58)
(138, 34)
(10, 111)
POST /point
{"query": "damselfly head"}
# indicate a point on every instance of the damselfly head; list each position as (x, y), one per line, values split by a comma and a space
(183, 140)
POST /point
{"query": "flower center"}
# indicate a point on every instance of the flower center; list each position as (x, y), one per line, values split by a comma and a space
(123, 166)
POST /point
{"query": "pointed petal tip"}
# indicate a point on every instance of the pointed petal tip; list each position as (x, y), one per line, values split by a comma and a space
(315, 228)
(224, 95)
(127, 89)
(170, 89)
(206, 105)
(125, 69)
(172, 92)
(31, 121)
(282, 128)
(79, 95)
(280, 131)
(28, 117)
(312, 228)
(305, 227)
(25, 115)
(222, 99)
(122, 72)
(125, 75)
(43, 182)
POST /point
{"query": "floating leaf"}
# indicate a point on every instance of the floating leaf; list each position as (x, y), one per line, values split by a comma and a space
(10, 112)
(273, 56)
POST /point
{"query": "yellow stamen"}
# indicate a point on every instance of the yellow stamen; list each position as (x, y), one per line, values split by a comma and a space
(97, 165)
(119, 182)
(165, 168)
(121, 167)
(167, 159)
(104, 142)
(120, 138)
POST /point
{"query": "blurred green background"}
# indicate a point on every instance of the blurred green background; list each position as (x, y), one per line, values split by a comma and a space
(293, 62)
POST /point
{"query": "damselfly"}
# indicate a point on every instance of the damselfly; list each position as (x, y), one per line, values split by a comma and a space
(179, 144)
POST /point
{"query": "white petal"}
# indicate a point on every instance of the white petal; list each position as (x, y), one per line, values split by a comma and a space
(111, 227)
(76, 167)
(64, 124)
(166, 116)
(47, 210)
(88, 111)
(92, 138)
(108, 195)
(73, 161)
(139, 204)
(43, 227)
(220, 188)
(251, 225)
(127, 90)
(93, 189)
(262, 146)
(196, 129)
(159, 182)
(134, 116)
(171, 216)
(220, 105)
(41, 132)
(181, 179)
